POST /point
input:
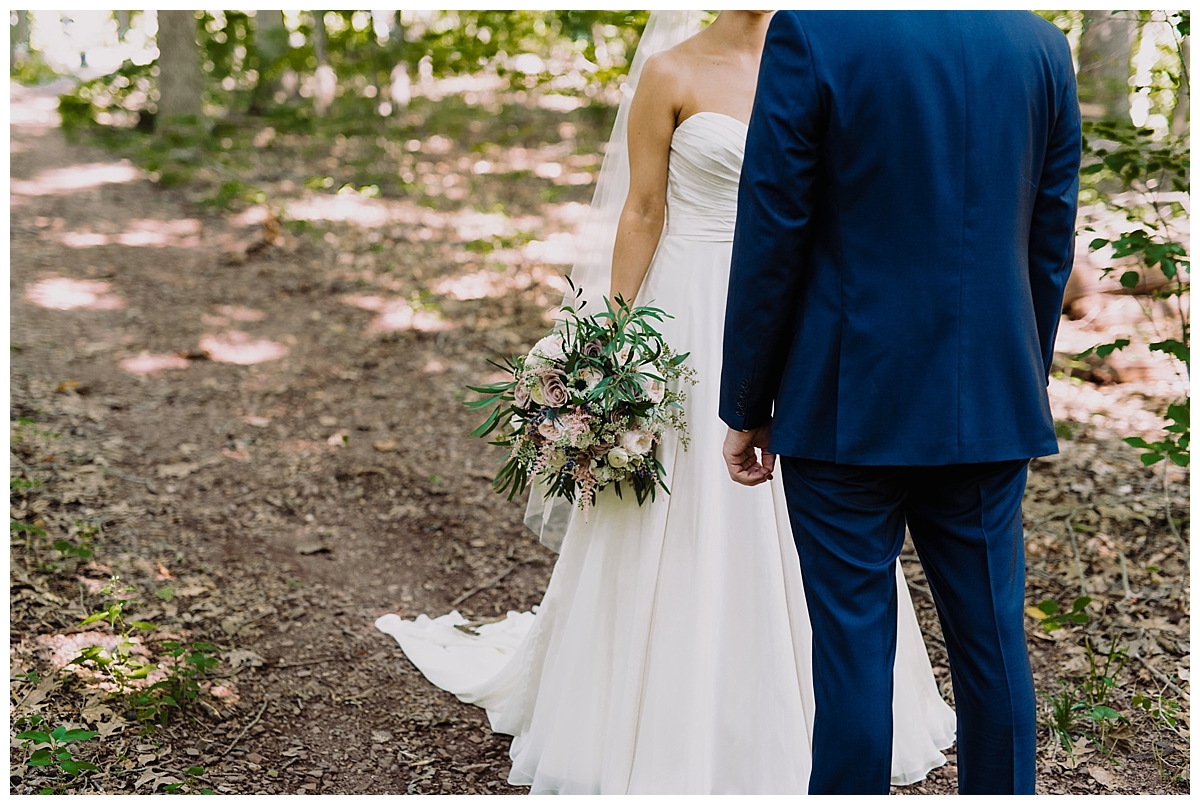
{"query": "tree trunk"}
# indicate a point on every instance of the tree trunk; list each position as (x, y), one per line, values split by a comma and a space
(1105, 50)
(271, 42)
(180, 81)
(326, 79)
(122, 24)
(320, 40)
(1180, 116)
(18, 39)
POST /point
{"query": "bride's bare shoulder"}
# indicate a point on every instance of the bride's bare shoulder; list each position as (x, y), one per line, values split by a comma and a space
(664, 71)
(672, 73)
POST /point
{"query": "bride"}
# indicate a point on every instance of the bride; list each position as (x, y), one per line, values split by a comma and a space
(672, 650)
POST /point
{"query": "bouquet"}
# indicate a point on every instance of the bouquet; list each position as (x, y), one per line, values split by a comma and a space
(588, 405)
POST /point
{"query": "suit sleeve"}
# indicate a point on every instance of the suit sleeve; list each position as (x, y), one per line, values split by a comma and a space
(775, 203)
(1052, 231)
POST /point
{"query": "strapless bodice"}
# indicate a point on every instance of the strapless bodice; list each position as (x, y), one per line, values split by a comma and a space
(702, 177)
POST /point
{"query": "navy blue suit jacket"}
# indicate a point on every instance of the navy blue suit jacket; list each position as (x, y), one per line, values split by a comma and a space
(905, 230)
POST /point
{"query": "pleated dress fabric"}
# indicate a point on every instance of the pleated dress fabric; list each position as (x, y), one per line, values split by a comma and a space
(672, 650)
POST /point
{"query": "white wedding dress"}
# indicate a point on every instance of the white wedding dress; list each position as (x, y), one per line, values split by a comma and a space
(672, 650)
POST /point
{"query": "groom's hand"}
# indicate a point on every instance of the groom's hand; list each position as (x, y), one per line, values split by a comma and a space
(741, 459)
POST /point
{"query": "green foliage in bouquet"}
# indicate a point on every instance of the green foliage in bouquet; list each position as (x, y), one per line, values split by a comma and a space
(586, 406)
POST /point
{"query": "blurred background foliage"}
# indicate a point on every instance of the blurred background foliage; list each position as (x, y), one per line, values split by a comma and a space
(293, 66)
(267, 63)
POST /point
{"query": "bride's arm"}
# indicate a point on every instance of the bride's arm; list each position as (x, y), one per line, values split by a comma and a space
(652, 118)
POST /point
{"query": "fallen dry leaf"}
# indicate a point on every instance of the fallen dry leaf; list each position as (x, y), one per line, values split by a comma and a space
(94, 586)
(43, 689)
(155, 779)
(238, 658)
(107, 728)
(1103, 776)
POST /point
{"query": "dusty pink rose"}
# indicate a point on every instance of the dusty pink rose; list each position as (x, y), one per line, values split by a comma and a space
(521, 393)
(554, 390)
(551, 429)
(593, 348)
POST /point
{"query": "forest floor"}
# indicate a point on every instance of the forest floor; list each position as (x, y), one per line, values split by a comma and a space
(252, 416)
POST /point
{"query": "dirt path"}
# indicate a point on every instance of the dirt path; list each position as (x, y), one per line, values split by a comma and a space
(272, 449)
(217, 478)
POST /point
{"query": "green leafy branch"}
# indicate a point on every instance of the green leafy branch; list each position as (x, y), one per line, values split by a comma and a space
(1128, 157)
(181, 683)
(1052, 617)
(50, 749)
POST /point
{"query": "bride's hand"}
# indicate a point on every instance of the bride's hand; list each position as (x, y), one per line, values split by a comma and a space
(741, 459)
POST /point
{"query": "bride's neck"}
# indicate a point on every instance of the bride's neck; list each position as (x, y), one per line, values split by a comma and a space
(744, 30)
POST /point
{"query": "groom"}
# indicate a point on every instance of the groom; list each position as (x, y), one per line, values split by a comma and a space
(906, 222)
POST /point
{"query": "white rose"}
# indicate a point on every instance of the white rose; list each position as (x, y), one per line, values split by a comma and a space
(653, 388)
(533, 362)
(515, 423)
(618, 457)
(536, 395)
(623, 354)
(551, 429)
(549, 347)
(591, 377)
(637, 442)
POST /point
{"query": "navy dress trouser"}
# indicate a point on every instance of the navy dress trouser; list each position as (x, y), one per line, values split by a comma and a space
(965, 520)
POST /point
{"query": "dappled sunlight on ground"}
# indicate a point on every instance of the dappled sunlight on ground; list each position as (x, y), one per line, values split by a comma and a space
(475, 225)
(1112, 410)
(77, 177)
(1124, 408)
(145, 363)
(60, 293)
(33, 110)
(182, 233)
(479, 285)
(397, 314)
(488, 284)
(354, 209)
(251, 216)
(235, 346)
(557, 249)
(477, 89)
(64, 648)
(231, 313)
(553, 161)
